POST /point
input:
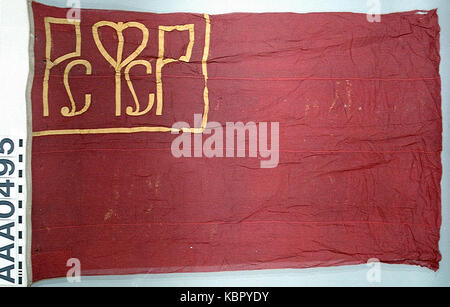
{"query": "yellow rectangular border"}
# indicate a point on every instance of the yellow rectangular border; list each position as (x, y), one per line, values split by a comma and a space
(151, 129)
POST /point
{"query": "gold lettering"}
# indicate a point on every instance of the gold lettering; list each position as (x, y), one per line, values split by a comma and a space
(163, 61)
(151, 97)
(72, 112)
(48, 53)
(117, 63)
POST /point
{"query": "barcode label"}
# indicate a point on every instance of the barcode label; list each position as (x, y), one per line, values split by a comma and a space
(12, 211)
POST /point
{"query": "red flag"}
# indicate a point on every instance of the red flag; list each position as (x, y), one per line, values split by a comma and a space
(350, 171)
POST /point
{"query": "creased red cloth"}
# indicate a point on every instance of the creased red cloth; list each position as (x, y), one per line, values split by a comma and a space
(359, 109)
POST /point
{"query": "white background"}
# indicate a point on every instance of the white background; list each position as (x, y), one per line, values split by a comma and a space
(14, 33)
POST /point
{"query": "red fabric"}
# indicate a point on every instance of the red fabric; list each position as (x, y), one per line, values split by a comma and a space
(359, 108)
